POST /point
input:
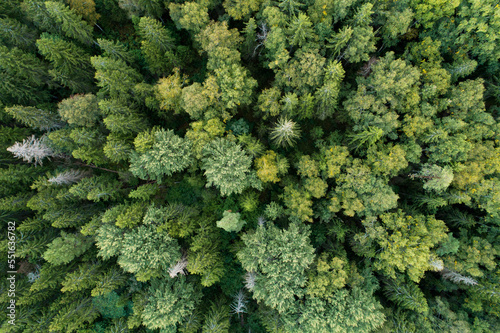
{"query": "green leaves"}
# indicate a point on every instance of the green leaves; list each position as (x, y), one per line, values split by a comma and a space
(169, 302)
(405, 242)
(64, 249)
(228, 167)
(71, 24)
(141, 250)
(231, 222)
(345, 311)
(279, 258)
(169, 153)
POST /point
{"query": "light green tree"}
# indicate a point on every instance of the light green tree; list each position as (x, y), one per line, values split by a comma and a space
(114, 76)
(164, 154)
(64, 249)
(285, 132)
(270, 253)
(191, 16)
(399, 236)
(270, 166)
(80, 110)
(140, 250)
(435, 177)
(169, 303)
(228, 167)
(168, 91)
(349, 311)
(231, 221)
(360, 192)
(391, 89)
(326, 276)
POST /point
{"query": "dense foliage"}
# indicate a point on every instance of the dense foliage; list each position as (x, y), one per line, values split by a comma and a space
(250, 165)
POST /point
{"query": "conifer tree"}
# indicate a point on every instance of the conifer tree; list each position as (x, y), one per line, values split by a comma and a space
(115, 78)
(204, 253)
(71, 23)
(14, 33)
(228, 167)
(169, 303)
(71, 66)
(166, 153)
(64, 249)
(34, 117)
(115, 50)
(156, 43)
(285, 132)
(270, 252)
(23, 74)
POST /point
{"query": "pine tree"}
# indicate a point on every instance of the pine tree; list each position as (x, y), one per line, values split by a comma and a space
(435, 177)
(35, 11)
(169, 302)
(35, 118)
(300, 30)
(168, 153)
(228, 167)
(23, 74)
(270, 253)
(285, 132)
(96, 188)
(71, 23)
(64, 249)
(80, 110)
(216, 319)
(71, 66)
(406, 294)
(115, 78)
(14, 33)
(204, 254)
(115, 50)
(327, 96)
(156, 43)
(73, 317)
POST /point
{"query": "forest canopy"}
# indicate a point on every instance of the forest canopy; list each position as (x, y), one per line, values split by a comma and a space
(250, 166)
